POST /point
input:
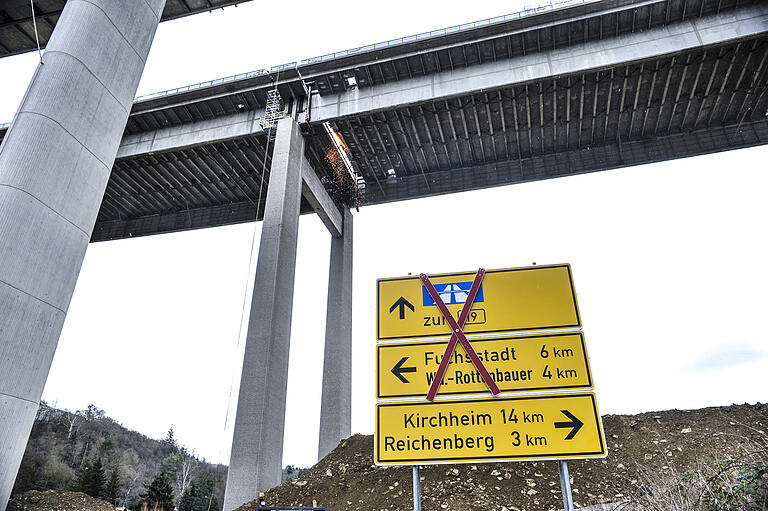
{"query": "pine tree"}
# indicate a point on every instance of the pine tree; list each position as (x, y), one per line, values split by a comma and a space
(114, 486)
(170, 439)
(159, 493)
(97, 480)
(199, 496)
(83, 477)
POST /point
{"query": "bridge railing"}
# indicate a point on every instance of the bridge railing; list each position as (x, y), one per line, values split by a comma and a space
(549, 5)
(282, 67)
(201, 85)
(528, 11)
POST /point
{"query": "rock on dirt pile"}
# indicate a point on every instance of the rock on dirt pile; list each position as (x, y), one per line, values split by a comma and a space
(639, 447)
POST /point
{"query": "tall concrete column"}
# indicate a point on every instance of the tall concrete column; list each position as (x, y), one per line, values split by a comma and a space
(255, 463)
(336, 404)
(55, 162)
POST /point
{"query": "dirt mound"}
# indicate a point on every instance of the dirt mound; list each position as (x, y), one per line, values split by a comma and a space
(52, 500)
(638, 445)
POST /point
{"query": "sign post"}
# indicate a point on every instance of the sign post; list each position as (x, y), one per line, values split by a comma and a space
(565, 485)
(534, 362)
(515, 332)
(505, 428)
(416, 489)
(508, 300)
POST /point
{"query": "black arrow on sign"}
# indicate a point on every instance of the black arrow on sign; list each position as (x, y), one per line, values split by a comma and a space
(575, 423)
(398, 370)
(402, 303)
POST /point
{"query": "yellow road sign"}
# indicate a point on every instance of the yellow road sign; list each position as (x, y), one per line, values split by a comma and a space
(520, 363)
(489, 429)
(515, 299)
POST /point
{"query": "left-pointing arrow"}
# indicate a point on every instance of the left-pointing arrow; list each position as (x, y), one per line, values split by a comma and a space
(574, 423)
(398, 370)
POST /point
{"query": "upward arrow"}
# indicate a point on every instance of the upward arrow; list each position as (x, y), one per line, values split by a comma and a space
(402, 303)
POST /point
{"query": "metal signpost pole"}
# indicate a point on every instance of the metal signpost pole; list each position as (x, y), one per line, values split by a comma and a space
(416, 489)
(565, 485)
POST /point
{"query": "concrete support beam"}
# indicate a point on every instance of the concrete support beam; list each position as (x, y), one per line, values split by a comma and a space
(726, 26)
(257, 447)
(318, 197)
(336, 404)
(192, 134)
(55, 161)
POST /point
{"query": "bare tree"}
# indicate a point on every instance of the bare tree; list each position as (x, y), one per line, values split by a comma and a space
(72, 419)
(185, 464)
(92, 412)
(130, 461)
(180, 463)
(43, 413)
(85, 454)
(130, 489)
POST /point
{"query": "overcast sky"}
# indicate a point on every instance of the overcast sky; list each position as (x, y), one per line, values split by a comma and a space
(668, 260)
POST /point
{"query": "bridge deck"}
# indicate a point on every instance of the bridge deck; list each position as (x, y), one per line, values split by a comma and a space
(580, 88)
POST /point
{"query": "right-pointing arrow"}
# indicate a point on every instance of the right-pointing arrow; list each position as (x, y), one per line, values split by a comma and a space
(398, 370)
(575, 423)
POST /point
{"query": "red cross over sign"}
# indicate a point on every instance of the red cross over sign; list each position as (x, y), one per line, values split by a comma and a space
(457, 334)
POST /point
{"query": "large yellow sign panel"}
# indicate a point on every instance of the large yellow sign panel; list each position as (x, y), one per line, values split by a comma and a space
(515, 299)
(495, 429)
(520, 363)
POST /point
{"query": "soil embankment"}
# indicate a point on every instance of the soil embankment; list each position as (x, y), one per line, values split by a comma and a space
(639, 446)
(52, 500)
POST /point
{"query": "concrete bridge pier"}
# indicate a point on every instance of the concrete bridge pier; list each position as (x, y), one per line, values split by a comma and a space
(55, 162)
(336, 408)
(257, 446)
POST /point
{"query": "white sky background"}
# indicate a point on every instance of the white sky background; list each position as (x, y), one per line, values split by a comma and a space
(668, 259)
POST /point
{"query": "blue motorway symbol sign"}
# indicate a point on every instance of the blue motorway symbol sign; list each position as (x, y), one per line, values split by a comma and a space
(451, 293)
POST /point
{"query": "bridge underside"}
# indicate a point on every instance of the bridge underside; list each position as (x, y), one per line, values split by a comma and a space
(610, 84)
(690, 104)
(17, 29)
(694, 103)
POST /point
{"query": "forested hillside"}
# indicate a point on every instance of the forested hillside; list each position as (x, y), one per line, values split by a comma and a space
(87, 451)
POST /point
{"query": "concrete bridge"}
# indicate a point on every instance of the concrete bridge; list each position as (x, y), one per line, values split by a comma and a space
(571, 88)
(586, 87)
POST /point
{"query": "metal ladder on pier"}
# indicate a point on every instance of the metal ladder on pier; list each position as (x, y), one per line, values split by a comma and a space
(274, 112)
